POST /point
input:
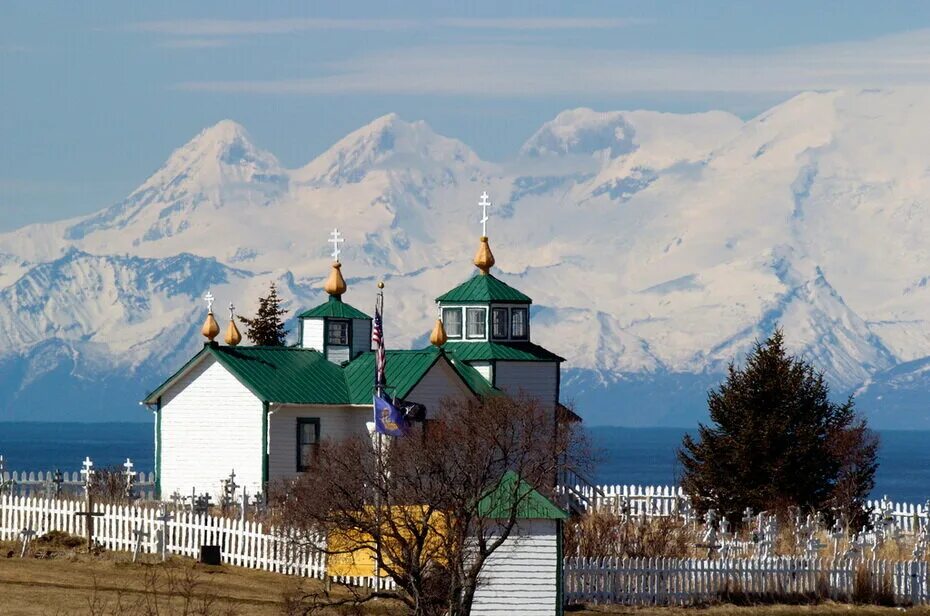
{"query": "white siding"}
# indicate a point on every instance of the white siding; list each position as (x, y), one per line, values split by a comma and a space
(537, 379)
(485, 368)
(521, 576)
(210, 425)
(313, 334)
(439, 383)
(336, 422)
(361, 336)
(337, 354)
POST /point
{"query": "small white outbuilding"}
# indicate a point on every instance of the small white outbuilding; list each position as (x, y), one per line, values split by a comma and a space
(524, 574)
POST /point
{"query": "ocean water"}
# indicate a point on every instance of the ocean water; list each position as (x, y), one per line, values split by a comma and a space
(625, 455)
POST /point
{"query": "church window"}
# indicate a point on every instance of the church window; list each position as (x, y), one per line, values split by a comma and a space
(518, 324)
(452, 322)
(308, 441)
(500, 323)
(337, 333)
(476, 322)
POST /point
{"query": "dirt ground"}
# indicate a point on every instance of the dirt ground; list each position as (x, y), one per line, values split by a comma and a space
(74, 583)
(110, 584)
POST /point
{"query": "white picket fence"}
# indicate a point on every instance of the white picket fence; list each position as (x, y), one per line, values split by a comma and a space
(661, 501)
(72, 484)
(242, 543)
(671, 581)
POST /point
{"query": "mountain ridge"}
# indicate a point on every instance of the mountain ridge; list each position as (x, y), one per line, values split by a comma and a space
(657, 247)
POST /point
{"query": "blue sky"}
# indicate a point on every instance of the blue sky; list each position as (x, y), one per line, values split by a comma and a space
(95, 95)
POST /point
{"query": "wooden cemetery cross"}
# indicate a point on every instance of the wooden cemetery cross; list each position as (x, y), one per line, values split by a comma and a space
(139, 535)
(26, 535)
(130, 478)
(837, 533)
(244, 509)
(202, 504)
(5, 485)
(89, 516)
(164, 517)
(58, 479)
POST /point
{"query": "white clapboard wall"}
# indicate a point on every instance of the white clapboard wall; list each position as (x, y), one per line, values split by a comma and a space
(521, 576)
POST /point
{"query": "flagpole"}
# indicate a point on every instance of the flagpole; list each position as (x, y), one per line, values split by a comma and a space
(379, 385)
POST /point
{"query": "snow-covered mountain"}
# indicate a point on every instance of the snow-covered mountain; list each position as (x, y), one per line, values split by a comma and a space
(657, 247)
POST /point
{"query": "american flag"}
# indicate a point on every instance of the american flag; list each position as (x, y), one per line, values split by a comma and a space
(377, 339)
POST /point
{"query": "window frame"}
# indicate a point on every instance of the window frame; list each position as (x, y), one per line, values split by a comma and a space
(506, 320)
(301, 422)
(445, 322)
(526, 322)
(348, 332)
(484, 320)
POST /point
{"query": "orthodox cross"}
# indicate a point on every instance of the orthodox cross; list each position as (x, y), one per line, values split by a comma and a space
(229, 489)
(232, 311)
(130, 477)
(89, 514)
(4, 484)
(244, 510)
(209, 299)
(139, 535)
(58, 479)
(484, 203)
(335, 239)
(26, 535)
(164, 517)
(88, 473)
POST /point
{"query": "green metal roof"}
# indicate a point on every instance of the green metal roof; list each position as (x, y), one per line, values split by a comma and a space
(498, 504)
(403, 370)
(292, 375)
(484, 288)
(334, 308)
(506, 351)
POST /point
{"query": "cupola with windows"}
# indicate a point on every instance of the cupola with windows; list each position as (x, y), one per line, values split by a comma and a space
(338, 330)
(486, 324)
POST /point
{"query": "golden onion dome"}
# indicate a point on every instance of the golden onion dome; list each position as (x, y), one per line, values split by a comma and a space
(211, 328)
(438, 336)
(484, 258)
(335, 285)
(233, 337)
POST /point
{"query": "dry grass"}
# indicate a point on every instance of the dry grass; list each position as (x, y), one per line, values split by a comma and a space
(826, 609)
(85, 585)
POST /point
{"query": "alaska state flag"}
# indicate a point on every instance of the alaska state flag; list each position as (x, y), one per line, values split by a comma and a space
(389, 419)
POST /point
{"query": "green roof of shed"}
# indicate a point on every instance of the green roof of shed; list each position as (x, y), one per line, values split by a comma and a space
(484, 288)
(505, 351)
(498, 504)
(334, 308)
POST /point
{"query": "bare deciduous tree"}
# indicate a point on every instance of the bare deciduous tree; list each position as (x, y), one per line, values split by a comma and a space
(422, 505)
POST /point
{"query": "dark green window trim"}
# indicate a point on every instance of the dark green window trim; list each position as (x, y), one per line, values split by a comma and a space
(446, 322)
(504, 314)
(301, 422)
(158, 448)
(265, 448)
(483, 311)
(526, 323)
(347, 324)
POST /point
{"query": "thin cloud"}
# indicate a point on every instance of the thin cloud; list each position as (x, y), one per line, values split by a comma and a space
(533, 70)
(230, 27)
(195, 43)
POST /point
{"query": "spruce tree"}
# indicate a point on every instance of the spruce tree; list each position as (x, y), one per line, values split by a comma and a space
(776, 441)
(267, 328)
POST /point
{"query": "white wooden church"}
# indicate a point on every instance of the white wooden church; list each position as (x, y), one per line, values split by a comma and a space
(261, 411)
